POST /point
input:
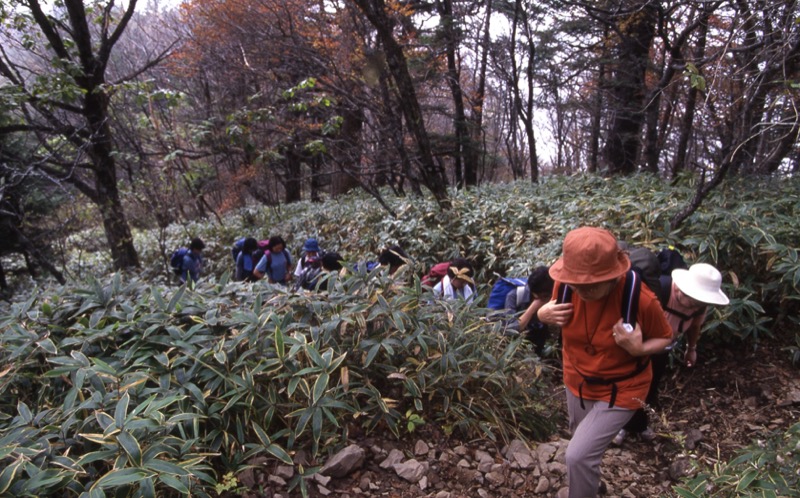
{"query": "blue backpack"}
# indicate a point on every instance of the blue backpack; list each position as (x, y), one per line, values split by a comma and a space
(237, 248)
(176, 260)
(501, 288)
(286, 255)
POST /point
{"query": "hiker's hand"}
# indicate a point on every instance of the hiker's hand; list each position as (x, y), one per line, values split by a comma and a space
(629, 341)
(690, 357)
(555, 314)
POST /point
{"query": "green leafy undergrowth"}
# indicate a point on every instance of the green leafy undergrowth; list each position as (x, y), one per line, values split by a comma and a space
(746, 228)
(767, 468)
(127, 389)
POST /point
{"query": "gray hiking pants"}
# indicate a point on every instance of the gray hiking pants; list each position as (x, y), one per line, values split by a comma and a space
(592, 428)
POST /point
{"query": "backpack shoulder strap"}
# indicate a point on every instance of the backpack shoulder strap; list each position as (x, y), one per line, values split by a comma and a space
(630, 297)
(666, 290)
(564, 293)
(521, 294)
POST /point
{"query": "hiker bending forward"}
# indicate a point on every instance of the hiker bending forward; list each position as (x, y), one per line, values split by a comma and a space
(606, 369)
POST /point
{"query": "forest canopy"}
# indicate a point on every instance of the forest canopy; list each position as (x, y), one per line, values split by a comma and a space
(148, 114)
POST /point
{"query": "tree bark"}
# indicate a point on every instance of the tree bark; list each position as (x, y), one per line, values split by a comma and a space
(687, 124)
(451, 42)
(88, 51)
(635, 33)
(474, 145)
(432, 174)
(597, 118)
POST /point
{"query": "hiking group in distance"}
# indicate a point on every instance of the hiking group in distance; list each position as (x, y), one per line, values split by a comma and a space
(621, 311)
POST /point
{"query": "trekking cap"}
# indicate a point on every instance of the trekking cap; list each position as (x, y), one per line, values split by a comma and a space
(311, 245)
(701, 282)
(590, 255)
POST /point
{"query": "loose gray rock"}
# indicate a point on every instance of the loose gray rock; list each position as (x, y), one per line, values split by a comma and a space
(461, 450)
(561, 451)
(394, 457)
(679, 469)
(513, 447)
(519, 455)
(284, 471)
(483, 493)
(482, 456)
(278, 481)
(463, 463)
(546, 452)
(557, 468)
(443, 494)
(693, 437)
(485, 466)
(248, 476)
(411, 470)
(523, 460)
(563, 493)
(423, 483)
(472, 475)
(324, 480)
(496, 478)
(323, 490)
(543, 486)
(421, 448)
(343, 463)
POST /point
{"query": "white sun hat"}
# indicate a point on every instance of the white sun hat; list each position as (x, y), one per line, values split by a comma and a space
(701, 282)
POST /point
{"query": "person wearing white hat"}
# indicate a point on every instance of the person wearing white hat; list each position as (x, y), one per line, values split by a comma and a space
(690, 293)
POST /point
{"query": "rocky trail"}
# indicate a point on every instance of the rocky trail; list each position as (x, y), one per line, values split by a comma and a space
(708, 413)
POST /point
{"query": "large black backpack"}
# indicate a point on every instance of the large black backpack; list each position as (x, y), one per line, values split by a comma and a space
(653, 267)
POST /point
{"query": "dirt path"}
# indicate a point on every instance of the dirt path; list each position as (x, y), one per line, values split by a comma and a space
(708, 413)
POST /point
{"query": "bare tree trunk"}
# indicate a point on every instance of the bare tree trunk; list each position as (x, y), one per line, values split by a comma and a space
(687, 123)
(292, 182)
(87, 52)
(525, 113)
(432, 174)
(597, 114)
(451, 42)
(473, 148)
(635, 32)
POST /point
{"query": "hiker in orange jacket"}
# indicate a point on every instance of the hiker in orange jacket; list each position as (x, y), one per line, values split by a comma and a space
(607, 371)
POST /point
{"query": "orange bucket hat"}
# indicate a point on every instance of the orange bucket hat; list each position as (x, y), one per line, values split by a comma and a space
(590, 255)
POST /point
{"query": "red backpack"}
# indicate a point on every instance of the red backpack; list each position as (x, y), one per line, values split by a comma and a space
(436, 274)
